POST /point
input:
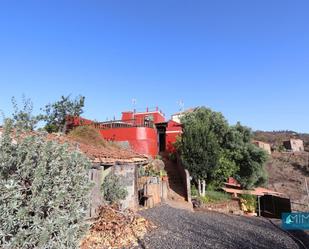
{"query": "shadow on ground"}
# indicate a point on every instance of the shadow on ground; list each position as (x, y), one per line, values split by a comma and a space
(182, 229)
(174, 179)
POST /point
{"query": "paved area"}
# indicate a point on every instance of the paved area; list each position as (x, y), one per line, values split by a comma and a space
(183, 229)
(176, 188)
(180, 205)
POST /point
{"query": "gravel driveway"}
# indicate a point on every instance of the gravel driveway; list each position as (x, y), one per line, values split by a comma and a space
(183, 229)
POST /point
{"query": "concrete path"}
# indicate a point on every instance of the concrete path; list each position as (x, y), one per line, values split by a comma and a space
(176, 188)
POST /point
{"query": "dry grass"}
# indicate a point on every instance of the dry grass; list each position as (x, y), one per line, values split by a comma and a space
(116, 229)
(287, 172)
(90, 136)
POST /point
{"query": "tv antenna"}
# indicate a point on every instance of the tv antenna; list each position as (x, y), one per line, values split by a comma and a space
(133, 101)
(181, 105)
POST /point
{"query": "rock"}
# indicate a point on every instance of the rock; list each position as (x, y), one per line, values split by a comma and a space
(157, 164)
(196, 203)
(237, 212)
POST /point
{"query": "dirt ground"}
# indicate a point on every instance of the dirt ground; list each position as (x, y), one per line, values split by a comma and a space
(287, 172)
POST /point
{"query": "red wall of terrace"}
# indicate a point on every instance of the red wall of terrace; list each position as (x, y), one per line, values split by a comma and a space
(127, 116)
(77, 121)
(173, 130)
(142, 139)
(157, 117)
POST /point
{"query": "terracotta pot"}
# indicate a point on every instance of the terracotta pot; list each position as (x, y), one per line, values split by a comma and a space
(164, 178)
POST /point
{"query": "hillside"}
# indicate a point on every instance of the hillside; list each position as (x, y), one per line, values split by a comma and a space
(287, 173)
(276, 138)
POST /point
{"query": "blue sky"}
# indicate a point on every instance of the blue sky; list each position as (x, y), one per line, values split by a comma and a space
(247, 59)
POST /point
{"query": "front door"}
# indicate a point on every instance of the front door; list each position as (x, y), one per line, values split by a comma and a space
(161, 142)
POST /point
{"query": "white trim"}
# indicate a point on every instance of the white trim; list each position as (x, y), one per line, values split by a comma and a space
(173, 132)
(138, 113)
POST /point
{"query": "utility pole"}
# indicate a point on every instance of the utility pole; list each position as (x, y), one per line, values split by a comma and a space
(259, 205)
(306, 178)
(134, 101)
(181, 105)
(307, 189)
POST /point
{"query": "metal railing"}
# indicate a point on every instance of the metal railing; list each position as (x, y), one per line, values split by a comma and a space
(123, 124)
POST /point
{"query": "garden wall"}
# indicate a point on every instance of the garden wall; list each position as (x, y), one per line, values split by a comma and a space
(128, 178)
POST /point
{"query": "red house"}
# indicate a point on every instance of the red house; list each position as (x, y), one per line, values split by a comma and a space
(146, 132)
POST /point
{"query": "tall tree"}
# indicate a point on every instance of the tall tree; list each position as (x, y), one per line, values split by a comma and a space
(201, 142)
(211, 149)
(57, 112)
(249, 158)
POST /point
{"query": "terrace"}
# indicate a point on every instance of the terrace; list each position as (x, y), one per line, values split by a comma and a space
(123, 124)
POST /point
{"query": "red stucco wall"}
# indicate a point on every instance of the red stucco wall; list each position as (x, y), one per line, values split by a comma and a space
(142, 139)
(72, 122)
(127, 116)
(173, 130)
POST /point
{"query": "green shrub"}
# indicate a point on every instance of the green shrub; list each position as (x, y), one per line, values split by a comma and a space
(194, 191)
(112, 189)
(163, 173)
(150, 170)
(213, 150)
(215, 196)
(248, 202)
(211, 187)
(44, 193)
(141, 171)
(172, 157)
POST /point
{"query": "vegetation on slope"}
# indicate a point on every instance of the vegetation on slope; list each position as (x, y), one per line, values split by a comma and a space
(287, 172)
(276, 138)
(88, 135)
(214, 197)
